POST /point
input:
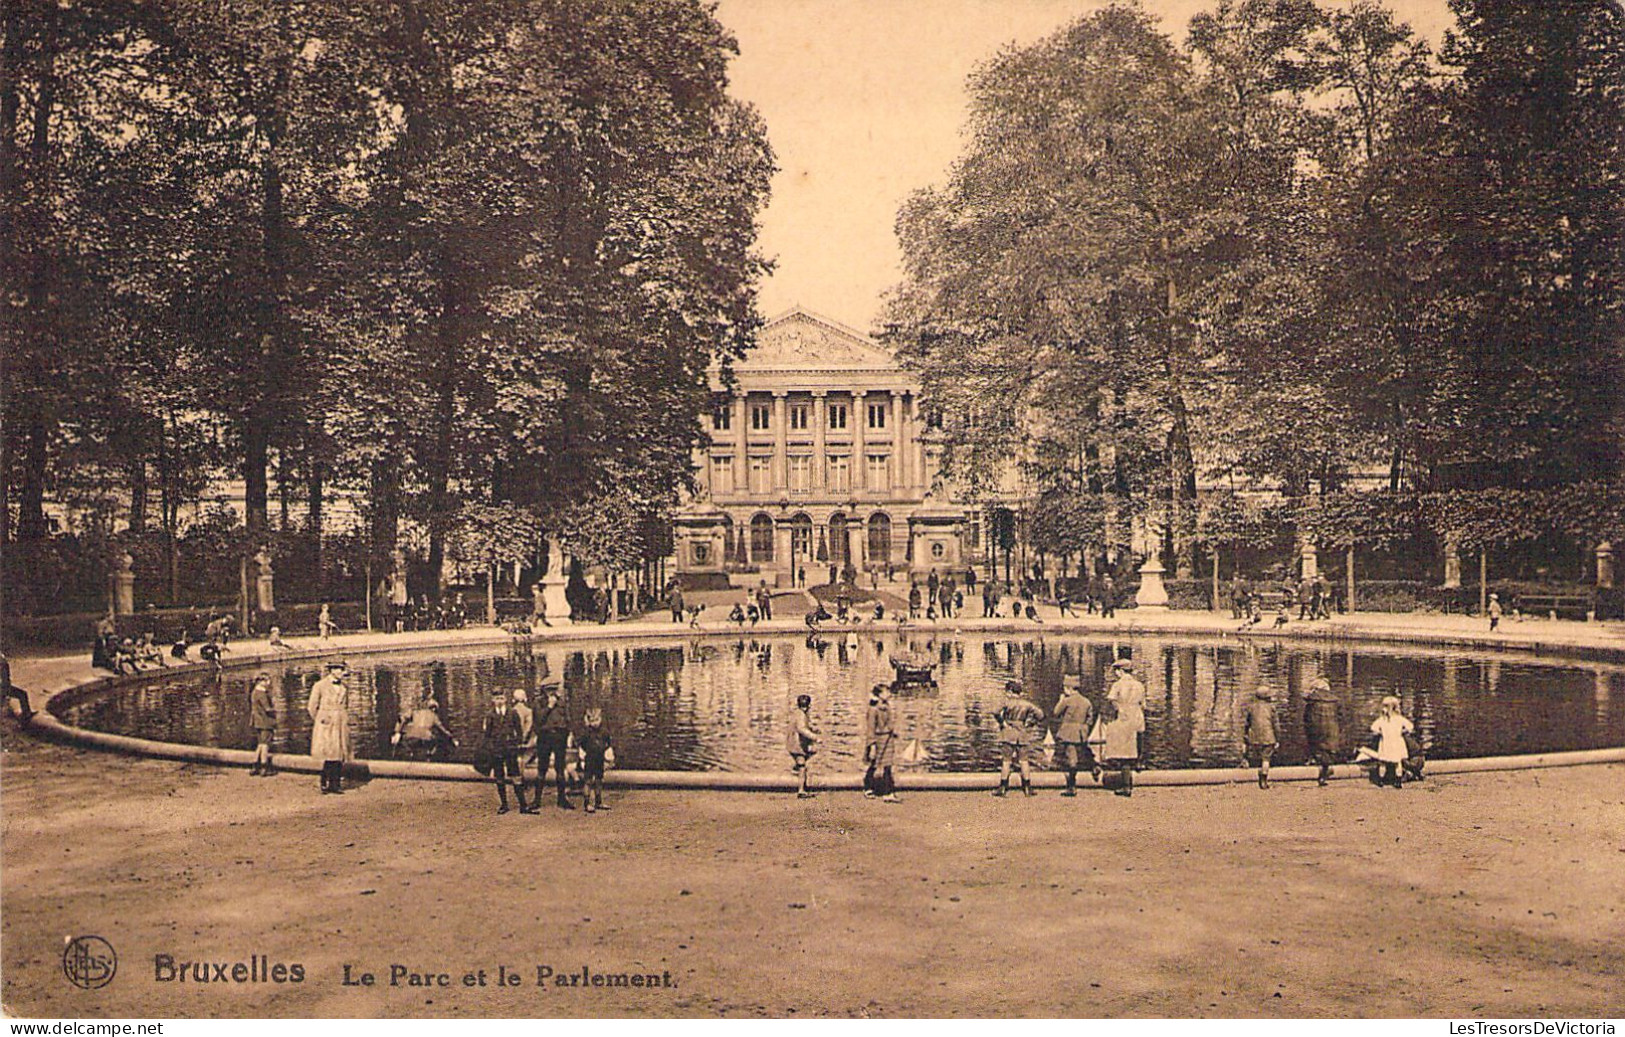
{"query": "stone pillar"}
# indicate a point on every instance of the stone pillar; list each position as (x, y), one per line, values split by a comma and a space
(1605, 566)
(820, 419)
(124, 585)
(899, 478)
(922, 471)
(741, 406)
(1152, 595)
(781, 547)
(1311, 560)
(264, 581)
(558, 575)
(1452, 563)
(860, 460)
(781, 461)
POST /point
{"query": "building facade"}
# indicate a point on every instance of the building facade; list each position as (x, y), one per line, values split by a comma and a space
(819, 459)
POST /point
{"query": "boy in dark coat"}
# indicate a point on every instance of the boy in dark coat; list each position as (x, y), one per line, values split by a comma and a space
(501, 737)
(596, 753)
(1321, 725)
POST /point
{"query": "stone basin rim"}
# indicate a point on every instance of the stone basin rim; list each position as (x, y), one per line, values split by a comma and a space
(48, 724)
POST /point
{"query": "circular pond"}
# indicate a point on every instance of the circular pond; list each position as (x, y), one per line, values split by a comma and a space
(720, 705)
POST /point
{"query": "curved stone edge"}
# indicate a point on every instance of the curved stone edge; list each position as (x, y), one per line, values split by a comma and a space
(52, 727)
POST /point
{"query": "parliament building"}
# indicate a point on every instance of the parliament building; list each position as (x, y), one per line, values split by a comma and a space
(820, 458)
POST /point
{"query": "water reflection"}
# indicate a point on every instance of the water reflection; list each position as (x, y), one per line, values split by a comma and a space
(721, 705)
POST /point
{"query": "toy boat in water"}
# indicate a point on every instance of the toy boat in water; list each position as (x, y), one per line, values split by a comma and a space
(913, 669)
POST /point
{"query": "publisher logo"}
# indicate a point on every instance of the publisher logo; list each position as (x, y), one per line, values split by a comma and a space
(89, 962)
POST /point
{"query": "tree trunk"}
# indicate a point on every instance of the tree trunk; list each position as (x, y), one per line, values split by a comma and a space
(37, 422)
(450, 330)
(1483, 580)
(385, 498)
(1349, 576)
(314, 473)
(138, 495)
(1215, 579)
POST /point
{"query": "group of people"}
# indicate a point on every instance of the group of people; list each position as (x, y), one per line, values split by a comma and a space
(942, 598)
(126, 655)
(425, 614)
(514, 737)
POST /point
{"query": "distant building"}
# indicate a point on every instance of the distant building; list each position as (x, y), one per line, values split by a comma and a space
(819, 456)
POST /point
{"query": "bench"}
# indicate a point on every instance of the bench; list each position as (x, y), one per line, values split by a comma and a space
(1563, 605)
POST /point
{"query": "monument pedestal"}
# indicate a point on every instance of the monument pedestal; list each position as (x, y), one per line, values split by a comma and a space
(553, 584)
(1152, 595)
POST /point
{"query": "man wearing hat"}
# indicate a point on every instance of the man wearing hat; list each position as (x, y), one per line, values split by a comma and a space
(1074, 714)
(500, 735)
(329, 709)
(1019, 720)
(552, 742)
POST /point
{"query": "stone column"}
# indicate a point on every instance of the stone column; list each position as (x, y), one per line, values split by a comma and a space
(1605, 566)
(741, 406)
(781, 462)
(859, 462)
(820, 461)
(898, 479)
(922, 473)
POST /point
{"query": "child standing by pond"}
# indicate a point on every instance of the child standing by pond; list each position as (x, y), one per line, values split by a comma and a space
(1260, 733)
(1391, 727)
(799, 740)
(596, 754)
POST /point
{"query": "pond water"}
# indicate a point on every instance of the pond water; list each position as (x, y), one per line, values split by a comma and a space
(720, 705)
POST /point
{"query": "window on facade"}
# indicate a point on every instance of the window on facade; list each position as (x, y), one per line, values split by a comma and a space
(722, 475)
(722, 417)
(837, 415)
(761, 474)
(877, 414)
(761, 417)
(840, 473)
(798, 417)
(877, 476)
(800, 473)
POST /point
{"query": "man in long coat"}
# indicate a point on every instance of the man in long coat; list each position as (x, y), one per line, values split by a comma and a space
(329, 709)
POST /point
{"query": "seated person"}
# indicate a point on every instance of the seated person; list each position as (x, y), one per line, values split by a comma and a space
(694, 615)
(181, 646)
(277, 642)
(148, 652)
(124, 657)
(753, 613)
(880, 611)
(737, 615)
(1032, 613)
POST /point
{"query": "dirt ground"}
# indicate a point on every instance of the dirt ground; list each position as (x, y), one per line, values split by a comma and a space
(1472, 896)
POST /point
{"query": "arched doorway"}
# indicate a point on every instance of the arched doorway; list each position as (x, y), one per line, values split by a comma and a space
(801, 542)
(837, 540)
(880, 539)
(761, 538)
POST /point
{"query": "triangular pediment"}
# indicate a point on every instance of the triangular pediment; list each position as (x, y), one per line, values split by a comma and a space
(799, 340)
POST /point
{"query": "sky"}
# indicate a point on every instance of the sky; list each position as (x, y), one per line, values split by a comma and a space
(864, 100)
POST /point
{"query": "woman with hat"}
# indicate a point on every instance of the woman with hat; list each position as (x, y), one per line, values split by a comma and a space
(329, 709)
(1321, 725)
(1123, 728)
(1391, 727)
(881, 752)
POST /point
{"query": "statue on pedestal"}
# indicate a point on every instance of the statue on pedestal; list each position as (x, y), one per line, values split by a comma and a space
(556, 606)
(264, 583)
(124, 584)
